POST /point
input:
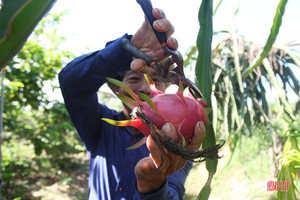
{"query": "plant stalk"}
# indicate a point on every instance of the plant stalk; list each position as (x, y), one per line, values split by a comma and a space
(203, 80)
(1, 126)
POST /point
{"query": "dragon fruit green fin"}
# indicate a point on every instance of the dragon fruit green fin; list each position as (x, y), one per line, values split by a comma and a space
(149, 80)
(131, 103)
(148, 100)
(138, 144)
(207, 111)
(183, 142)
(153, 89)
(126, 88)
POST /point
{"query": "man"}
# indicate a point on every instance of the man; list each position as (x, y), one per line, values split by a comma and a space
(117, 173)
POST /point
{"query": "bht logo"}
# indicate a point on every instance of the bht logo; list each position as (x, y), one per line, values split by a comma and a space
(273, 185)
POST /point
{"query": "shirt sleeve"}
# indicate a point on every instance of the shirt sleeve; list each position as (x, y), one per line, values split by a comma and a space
(80, 81)
(173, 189)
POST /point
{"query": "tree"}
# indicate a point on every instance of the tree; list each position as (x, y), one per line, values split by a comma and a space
(30, 116)
(17, 20)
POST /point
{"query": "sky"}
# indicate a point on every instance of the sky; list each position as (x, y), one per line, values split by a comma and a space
(91, 23)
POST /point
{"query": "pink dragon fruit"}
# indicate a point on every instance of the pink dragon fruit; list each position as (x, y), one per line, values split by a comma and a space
(181, 111)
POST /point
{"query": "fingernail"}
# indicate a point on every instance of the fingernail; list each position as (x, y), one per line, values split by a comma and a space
(160, 12)
(173, 40)
(159, 24)
(134, 67)
(167, 128)
(201, 124)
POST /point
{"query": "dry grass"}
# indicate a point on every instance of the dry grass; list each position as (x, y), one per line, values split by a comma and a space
(244, 178)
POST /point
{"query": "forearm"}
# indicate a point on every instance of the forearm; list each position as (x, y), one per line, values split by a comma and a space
(86, 74)
(81, 79)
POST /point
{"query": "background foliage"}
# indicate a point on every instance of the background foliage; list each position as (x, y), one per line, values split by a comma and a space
(32, 121)
(245, 74)
(254, 114)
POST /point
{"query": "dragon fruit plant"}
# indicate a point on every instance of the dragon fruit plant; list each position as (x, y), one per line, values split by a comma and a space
(181, 111)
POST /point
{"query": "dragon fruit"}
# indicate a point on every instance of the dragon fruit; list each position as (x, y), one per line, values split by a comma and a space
(181, 111)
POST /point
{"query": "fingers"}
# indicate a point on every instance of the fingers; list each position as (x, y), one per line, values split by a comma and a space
(156, 154)
(145, 39)
(175, 162)
(138, 65)
(148, 178)
(155, 151)
(170, 131)
(162, 24)
(199, 134)
(144, 166)
(172, 42)
(146, 169)
(158, 13)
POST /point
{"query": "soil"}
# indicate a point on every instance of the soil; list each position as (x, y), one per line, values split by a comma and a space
(74, 187)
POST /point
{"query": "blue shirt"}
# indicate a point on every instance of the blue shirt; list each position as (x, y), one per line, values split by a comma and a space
(111, 174)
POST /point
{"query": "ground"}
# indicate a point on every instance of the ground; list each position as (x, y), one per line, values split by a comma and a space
(74, 187)
(245, 178)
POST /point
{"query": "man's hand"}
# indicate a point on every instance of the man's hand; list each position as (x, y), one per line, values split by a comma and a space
(149, 177)
(145, 39)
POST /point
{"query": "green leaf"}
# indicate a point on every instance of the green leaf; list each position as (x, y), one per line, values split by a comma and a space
(290, 53)
(204, 193)
(126, 88)
(271, 39)
(214, 104)
(237, 63)
(16, 84)
(276, 85)
(17, 21)
(286, 175)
